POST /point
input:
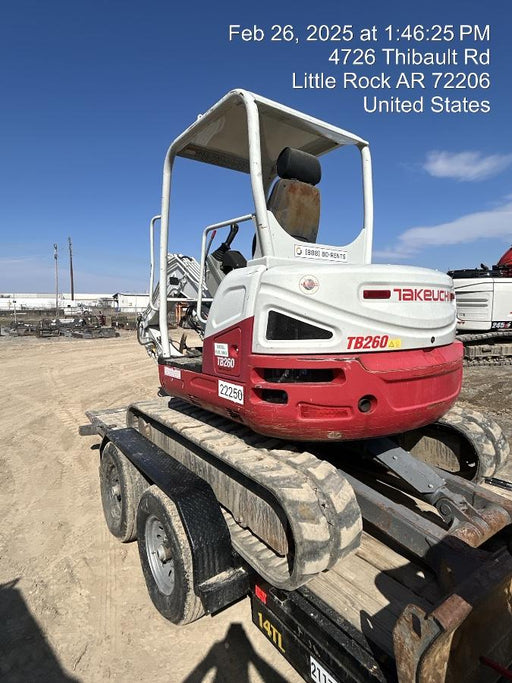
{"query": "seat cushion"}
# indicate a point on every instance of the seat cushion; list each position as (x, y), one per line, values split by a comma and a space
(296, 207)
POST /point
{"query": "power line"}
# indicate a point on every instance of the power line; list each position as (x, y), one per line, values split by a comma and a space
(56, 257)
(71, 269)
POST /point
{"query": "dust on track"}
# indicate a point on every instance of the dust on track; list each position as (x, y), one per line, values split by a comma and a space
(489, 390)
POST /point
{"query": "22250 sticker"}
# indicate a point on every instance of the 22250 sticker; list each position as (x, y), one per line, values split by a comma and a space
(231, 392)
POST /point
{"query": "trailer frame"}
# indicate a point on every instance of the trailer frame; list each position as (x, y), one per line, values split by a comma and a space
(317, 640)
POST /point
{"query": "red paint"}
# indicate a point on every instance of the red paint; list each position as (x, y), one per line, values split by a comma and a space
(506, 259)
(422, 294)
(505, 673)
(505, 263)
(409, 389)
(376, 294)
(232, 337)
(260, 594)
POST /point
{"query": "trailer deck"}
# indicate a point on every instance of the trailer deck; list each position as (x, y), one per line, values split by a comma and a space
(350, 623)
(357, 602)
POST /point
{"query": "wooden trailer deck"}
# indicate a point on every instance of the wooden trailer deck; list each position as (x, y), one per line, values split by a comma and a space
(371, 588)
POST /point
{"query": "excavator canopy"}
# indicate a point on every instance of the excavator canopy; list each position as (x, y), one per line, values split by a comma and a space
(222, 135)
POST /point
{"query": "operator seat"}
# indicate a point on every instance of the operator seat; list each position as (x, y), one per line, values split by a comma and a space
(294, 200)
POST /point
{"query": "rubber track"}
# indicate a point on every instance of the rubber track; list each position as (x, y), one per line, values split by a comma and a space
(486, 436)
(491, 357)
(482, 361)
(318, 503)
(482, 336)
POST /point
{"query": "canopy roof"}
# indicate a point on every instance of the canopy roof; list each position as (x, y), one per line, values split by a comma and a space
(221, 135)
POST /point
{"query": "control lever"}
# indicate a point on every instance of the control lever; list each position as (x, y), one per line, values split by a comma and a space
(224, 247)
(233, 231)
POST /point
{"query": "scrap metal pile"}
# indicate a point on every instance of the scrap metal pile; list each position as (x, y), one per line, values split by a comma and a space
(84, 327)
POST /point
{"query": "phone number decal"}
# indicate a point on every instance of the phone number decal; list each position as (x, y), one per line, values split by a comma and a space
(323, 253)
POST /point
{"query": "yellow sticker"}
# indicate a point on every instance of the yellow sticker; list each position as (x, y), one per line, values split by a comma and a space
(394, 343)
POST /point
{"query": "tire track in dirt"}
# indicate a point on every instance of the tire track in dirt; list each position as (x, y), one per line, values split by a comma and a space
(109, 588)
(110, 380)
(83, 588)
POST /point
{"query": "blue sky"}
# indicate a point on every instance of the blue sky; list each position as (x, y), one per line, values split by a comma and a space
(94, 91)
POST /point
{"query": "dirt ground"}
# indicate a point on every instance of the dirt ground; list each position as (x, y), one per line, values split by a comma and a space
(73, 603)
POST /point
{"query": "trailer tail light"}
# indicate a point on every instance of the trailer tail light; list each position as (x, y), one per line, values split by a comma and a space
(260, 594)
(376, 294)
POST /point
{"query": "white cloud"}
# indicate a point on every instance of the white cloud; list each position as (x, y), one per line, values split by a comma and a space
(465, 166)
(494, 223)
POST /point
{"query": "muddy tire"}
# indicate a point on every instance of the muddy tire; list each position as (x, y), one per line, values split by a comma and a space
(121, 486)
(166, 558)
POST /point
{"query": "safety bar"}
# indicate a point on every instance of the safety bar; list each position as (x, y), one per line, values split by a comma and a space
(206, 231)
(152, 260)
(187, 298)
(252, 104)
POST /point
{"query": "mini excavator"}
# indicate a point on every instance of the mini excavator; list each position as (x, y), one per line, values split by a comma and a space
(313, 433)
(305, 340)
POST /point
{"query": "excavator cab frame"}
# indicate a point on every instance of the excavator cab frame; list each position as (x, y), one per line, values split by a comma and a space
(246, 132)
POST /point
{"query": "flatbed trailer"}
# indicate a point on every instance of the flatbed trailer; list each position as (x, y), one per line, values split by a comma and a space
(413, 603)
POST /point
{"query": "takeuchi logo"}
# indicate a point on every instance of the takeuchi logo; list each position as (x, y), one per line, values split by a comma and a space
(309, 284)
(423, 294)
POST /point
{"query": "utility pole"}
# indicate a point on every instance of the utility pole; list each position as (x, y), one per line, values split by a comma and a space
(55, 256)
(71, 269)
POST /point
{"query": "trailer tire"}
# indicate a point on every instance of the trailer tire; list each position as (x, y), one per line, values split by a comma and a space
(121, 486)
(166, 558)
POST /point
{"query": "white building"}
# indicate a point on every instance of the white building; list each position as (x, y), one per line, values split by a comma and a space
(11, 301)
(119, 302)
(130, 303)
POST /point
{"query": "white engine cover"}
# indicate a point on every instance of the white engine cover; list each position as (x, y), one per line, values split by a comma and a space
(418, 313)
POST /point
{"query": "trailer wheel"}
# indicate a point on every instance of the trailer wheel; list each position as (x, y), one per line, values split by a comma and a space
(166, 558)
(121, 486)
